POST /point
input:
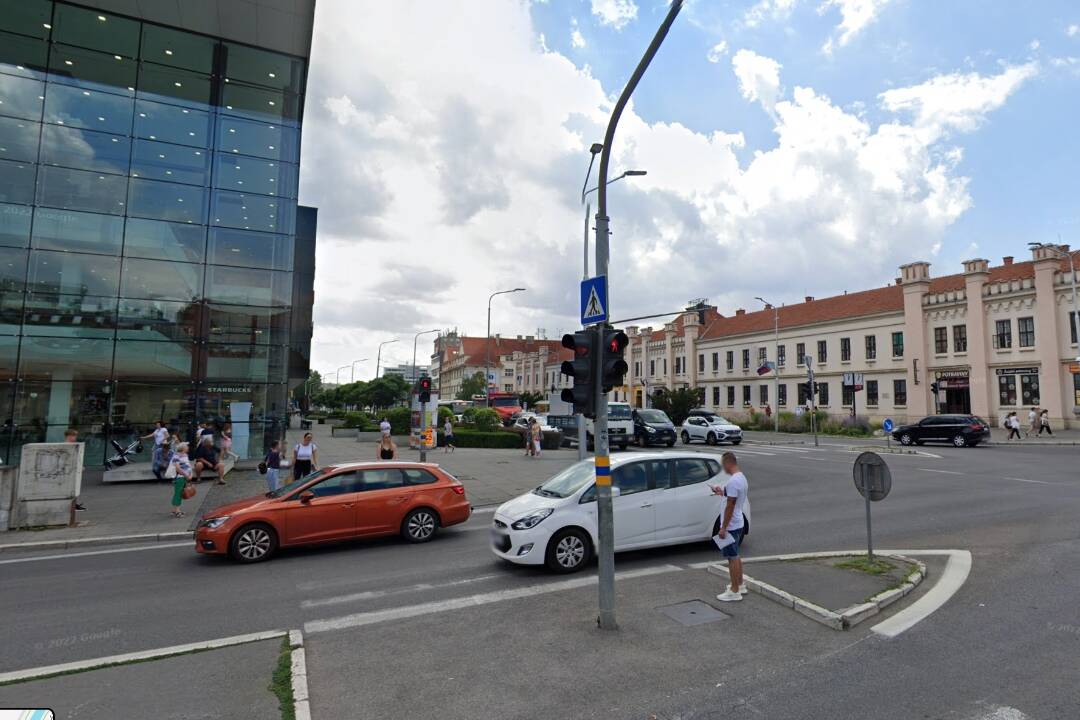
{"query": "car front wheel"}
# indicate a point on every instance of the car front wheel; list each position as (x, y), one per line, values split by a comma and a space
(670, 443)
(253, 543)
(419, 525)
(710, 439)
(568, 551)
(959, 441)
(906, 439)
(685, 438)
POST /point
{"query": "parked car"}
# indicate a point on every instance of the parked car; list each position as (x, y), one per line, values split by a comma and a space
(960, 430)
(568, 425)
(658, 499)
(653, 427)
(339, 502)
(710, 429)
(521, 421)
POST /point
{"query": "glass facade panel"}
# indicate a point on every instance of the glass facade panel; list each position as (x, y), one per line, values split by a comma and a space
(161, 280)
(18, 139)
(164, 240)
(249, 249)
(148, 179)
(80, 190)
(78, 231)
(73, 273)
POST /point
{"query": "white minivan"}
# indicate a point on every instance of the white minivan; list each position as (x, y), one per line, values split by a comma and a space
(620, 426)
(659, 499)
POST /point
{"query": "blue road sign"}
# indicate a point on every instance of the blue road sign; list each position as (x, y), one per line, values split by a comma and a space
(594, 300)
(887, 425)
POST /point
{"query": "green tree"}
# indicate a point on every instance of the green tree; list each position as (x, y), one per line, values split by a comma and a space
(530, 399)
(676, 403)
(471, 386)
(385, 391)
(304, 393)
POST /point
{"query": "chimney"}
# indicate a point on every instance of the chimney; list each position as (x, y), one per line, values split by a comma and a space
(1007, 260)
(809, 298)
(739, 312)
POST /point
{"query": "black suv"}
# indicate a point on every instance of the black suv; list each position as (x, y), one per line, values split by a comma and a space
(653, 427)
(960, 430)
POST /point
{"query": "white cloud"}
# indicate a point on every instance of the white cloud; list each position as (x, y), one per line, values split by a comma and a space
(854, 16)
(768, 10)
(758, 76)
(577, 40)
(717, 52)
(616, 13)
(956, 101)
(1073, 30)
(442, 179)
(1034, 45)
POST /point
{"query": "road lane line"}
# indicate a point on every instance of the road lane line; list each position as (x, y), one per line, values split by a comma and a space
(371, 594)
(489, 509)
(81, 665)
(943, 472)
(1040, 482)
(952, 578)
(459, 603)
(155, 546)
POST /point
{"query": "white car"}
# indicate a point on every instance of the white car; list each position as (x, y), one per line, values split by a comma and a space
(521, 421)
(710, 429)
(659, 499)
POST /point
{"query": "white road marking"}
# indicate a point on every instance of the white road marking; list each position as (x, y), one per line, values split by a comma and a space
(943, 472)
(1040, 482)
(410, 611)
(742, 451)
(481, 511)
(155, 546)
(141, 655)
(371, 594)
(952, 578)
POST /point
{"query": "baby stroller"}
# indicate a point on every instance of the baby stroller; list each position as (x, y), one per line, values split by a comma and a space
(121, 457)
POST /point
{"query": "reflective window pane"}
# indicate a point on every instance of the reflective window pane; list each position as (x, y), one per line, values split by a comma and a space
(173, 163)
(20, 55)
(251, 212)
(27, 17)
(251, 325)
(9, 351)
(259, 103)
(244, 362)
(173, 124)
(136, 359)
(69, 315)
(95, 30)
(90, 109)
(250, 249)
(17, 182)
(85, 149)
(62, 402)
(158, 320)
(175, 48)
(246, 286)
(12, 270)
(167, 201)
(164, 240)
(262, 67)
(143, 403)
(73, 273)
(161, 280)
(18, 139)
(65, 358)
(262, 139)
(78, 190)
(21, 97)
(248, 174)
(15, 225)
(173, 86)
(91, 69)
(78, 231)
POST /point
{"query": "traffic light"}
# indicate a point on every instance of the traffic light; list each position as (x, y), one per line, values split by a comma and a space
(817, 389)
(423, 387)
(583, 395)
(934, 388)
(615, 367)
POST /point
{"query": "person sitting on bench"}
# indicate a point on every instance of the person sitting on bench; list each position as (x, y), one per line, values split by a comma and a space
(206, 458)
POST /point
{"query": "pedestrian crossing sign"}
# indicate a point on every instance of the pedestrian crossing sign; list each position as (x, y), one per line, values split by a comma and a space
(594, 300)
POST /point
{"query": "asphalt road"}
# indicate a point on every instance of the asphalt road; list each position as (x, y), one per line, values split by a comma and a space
(1008, 639)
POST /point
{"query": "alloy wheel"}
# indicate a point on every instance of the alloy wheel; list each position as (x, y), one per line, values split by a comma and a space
(253, 544)
(421, 525)
(570, 552)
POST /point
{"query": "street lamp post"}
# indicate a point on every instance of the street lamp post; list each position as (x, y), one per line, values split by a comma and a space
(338, 373)
(415, 338)
(776, 361)
(378, 355)
(487, 344)
(352, 370)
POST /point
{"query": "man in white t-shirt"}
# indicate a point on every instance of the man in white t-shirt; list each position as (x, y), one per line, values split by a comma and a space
(736, 490)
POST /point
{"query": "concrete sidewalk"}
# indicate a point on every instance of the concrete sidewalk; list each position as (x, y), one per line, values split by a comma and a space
(997, 438)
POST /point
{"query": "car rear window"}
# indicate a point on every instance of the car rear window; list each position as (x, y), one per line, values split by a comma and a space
(691, 472)
(415, 476)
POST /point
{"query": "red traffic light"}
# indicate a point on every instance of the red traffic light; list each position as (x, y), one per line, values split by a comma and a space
(425, 383)
(617, 342)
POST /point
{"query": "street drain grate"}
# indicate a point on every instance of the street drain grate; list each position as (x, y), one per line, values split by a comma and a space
(693, 612)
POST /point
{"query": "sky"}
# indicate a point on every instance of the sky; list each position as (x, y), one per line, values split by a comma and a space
(793, 147)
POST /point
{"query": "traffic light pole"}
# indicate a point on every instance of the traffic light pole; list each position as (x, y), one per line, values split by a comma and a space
(423, 428)
(605, 521)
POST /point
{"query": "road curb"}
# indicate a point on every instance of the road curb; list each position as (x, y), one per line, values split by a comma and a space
(844, 619)
(301, 699)
(97, 541)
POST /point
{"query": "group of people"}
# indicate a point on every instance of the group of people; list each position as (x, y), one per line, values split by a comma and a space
(1038, 422)
(305, 460)
(173, 461)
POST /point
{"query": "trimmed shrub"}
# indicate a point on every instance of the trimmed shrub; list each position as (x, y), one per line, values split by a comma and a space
(485, 419)
(400, 420)
(466, 438)
(445, 414)
(359, 420)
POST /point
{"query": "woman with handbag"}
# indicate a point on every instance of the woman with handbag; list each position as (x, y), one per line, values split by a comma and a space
(179, 471)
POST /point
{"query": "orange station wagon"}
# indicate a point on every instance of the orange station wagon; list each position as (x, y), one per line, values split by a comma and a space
(338, 502)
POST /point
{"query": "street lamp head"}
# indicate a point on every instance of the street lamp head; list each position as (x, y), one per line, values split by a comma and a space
(596, 148)
(518, 290)
(636, 173)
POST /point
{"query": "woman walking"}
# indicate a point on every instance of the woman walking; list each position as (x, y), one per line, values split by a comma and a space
(181, 466)
(387, 448)
(1044, 422)
(528, 437)
(273, 466)
(305, 457)
(537, 436)
(1014, 426)
(448, 436)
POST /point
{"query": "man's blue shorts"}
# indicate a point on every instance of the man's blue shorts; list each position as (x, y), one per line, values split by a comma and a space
(732, 550)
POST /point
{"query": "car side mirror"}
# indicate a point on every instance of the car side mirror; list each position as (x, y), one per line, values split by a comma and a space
(306, 497)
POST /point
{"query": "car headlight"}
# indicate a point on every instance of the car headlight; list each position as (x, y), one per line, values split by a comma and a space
(531, 521)
(650, 429)
(214, 522)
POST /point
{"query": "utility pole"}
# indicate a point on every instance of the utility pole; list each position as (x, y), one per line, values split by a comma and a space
(605, 520)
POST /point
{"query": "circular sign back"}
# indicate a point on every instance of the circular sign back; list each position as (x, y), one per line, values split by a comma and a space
(872, 475)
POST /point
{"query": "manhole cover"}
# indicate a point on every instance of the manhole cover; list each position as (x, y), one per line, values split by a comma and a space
(693, 612)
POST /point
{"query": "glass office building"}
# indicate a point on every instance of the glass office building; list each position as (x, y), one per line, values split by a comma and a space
(148, 230)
